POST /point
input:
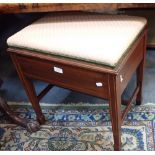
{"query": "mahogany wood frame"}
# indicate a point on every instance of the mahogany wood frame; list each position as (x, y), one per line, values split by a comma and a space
(33, 65)
(46, 7)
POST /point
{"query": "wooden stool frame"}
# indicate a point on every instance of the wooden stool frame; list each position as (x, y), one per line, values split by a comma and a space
(104, 82)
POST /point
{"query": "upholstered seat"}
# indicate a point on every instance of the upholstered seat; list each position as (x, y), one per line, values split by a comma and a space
(101, 39)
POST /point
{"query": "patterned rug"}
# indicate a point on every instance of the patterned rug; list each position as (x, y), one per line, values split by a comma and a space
(78, 127)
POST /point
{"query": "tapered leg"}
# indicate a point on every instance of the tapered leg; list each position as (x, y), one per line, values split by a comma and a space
(34, 100)
(140, 77)
(140, 73)
(30, 90)
(115, 112)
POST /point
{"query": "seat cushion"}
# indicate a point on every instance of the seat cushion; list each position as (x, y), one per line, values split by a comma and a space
(101, 39)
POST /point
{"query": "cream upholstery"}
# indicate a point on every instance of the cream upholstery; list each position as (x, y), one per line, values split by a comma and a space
(102, 39)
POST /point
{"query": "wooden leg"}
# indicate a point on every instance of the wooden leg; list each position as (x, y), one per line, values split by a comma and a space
(34, 100)
(30, 90)
(31, 126)
(140, 73)
(140, 77)
(115, 112)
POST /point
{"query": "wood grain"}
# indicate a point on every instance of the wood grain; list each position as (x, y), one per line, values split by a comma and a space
(46, 7)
